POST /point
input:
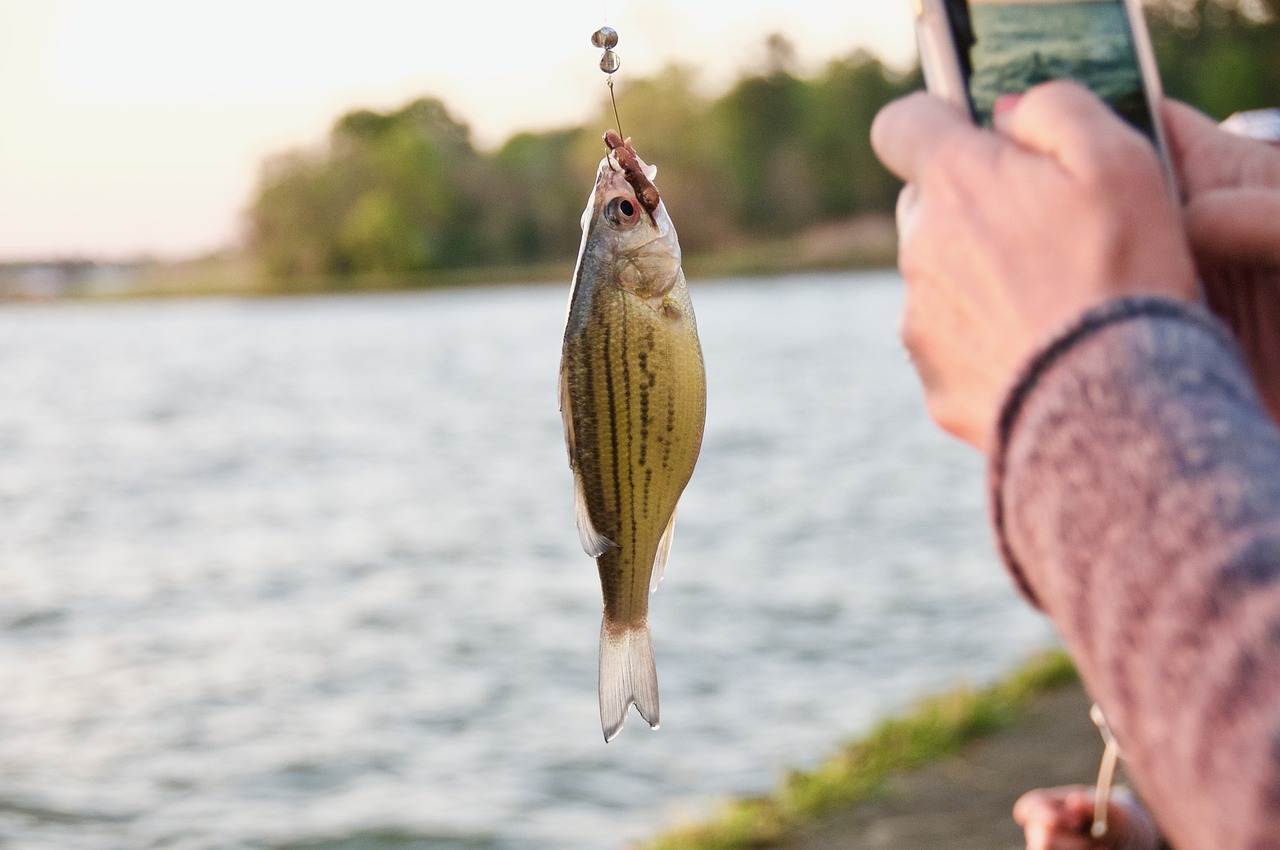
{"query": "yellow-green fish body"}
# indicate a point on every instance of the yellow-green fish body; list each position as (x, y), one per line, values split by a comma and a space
(633, 397)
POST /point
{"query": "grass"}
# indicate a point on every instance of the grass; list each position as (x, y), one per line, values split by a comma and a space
(935, 728)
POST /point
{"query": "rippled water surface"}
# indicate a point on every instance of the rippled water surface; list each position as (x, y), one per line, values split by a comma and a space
(303, 573)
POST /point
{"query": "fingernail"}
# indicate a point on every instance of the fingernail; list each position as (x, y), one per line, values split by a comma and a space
(1004, 105)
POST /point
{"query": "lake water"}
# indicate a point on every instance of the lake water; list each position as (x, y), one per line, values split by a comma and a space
(303, 573)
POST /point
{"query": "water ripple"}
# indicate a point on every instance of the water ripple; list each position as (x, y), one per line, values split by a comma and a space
(303, 574)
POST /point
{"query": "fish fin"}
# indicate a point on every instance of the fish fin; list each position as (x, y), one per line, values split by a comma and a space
(664, 552)
(594, 543)
(566, 414)
(628, 676)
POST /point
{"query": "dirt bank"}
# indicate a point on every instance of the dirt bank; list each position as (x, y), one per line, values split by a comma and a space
(963, 802)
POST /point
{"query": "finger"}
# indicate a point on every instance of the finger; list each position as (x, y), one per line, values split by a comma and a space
(907, 212)
(1066, 121)
(1194, 139)
(907, 132)
(1240, 226)
(1035, 806)
(1078, 809)
(1042, 836)
(1047, 802)
(1206, 157)
(1002, 109)
(1038, 836)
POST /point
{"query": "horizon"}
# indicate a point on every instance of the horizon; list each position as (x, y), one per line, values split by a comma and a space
(137, 129)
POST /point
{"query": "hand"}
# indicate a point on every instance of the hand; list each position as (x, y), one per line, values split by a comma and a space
(1232, 192)
(1006, 237)
(1060, 818)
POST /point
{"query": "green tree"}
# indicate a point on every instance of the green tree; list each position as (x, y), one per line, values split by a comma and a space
(760, 121)
(843, 102)
(401, 191)
(1219, 56)
(294, 216)
(535, 211)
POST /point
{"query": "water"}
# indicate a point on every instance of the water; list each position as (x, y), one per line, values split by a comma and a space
(303, 573)
(1022, 44)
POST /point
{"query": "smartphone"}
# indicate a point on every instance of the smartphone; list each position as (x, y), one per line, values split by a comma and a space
(973, 51)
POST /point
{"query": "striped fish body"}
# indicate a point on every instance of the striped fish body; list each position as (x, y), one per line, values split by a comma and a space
(633, 397)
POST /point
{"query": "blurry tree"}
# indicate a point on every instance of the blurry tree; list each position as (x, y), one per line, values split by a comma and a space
(1219, 55)
(542, 197)
(843, 101)
(406, 191)
(394, 192)
(295, 215)
(409, 179)
(760, 123)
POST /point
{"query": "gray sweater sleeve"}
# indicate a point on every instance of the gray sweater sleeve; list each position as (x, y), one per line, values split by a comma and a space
(1136, 500)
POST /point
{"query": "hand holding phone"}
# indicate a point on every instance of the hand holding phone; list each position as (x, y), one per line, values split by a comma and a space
(1006, 238)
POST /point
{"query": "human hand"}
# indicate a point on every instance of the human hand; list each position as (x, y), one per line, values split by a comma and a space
(1005, 237)
(1231, 187)
(1060, 818)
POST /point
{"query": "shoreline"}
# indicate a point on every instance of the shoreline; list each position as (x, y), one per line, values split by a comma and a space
(945, 774)
(858, 243)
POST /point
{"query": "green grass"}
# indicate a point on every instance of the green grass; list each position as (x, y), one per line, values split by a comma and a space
(935, 728)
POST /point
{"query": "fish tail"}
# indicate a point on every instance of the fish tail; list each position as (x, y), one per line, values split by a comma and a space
(628, 676)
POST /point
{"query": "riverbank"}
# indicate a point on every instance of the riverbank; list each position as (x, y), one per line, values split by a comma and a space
(946, 775)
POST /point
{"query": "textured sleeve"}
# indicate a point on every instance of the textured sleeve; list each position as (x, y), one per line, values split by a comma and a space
(1136, 500)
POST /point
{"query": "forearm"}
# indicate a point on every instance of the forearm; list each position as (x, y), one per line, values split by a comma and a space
(1136, 496)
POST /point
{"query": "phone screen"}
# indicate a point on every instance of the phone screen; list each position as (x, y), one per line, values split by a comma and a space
(1007, 47)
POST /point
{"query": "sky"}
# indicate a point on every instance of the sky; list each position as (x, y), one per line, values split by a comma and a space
(137, 127)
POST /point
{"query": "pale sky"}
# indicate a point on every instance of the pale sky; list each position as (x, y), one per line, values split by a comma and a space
(137, 126)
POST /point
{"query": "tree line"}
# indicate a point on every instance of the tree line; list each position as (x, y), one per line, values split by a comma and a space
(407, 191)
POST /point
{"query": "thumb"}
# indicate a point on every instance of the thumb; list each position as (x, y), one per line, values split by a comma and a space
(1236, 225)
(1066, 121)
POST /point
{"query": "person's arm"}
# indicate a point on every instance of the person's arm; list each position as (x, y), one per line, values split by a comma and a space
(1136, 486)
(1134, 469)
(1232, 215)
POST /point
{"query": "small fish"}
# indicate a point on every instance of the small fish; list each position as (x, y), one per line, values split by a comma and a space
(633, 394)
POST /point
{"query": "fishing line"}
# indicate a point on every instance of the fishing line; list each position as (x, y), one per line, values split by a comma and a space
(614, 100)
(606, 38)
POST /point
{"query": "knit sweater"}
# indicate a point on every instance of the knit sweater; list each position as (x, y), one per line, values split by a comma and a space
(1136, 501)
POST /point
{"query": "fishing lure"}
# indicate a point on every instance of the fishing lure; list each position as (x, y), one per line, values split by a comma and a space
(606, 38)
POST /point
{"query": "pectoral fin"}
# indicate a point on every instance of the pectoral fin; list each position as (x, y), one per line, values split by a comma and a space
(594, 543)
(566, 415)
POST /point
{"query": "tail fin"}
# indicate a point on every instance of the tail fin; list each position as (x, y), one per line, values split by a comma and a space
(628, 677)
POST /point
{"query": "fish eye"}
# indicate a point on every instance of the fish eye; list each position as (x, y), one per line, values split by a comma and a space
(621, 212)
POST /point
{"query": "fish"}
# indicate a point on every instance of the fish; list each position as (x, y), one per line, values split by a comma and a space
(633, 396)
